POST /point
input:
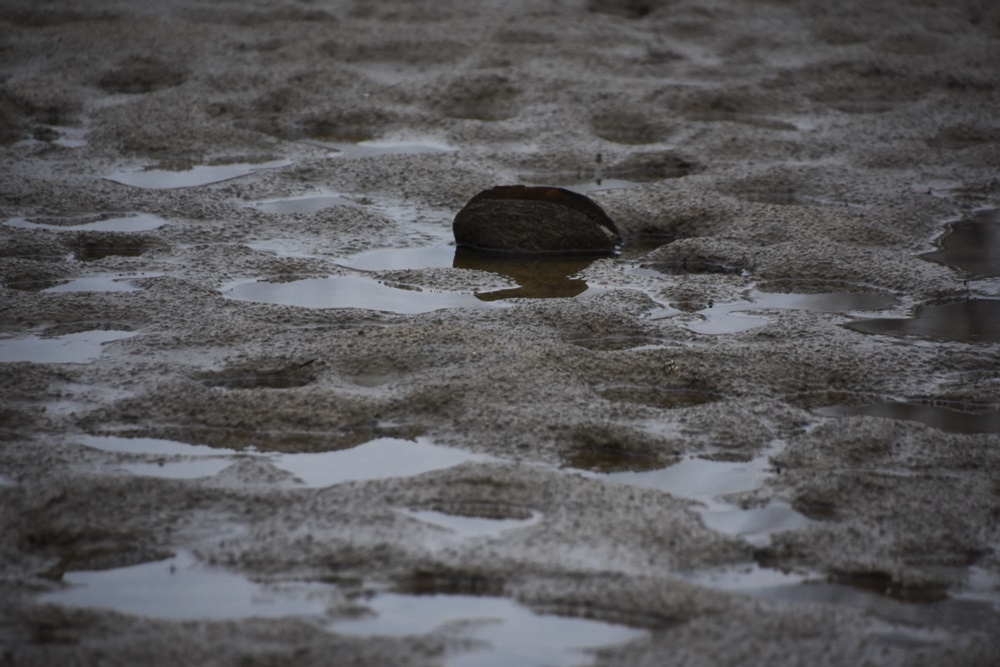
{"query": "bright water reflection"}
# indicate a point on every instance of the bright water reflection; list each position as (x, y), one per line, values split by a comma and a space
(141, 222)
(515, 634)
(74, 348)
(166, 179)
(183, 588)
(708, 482)
(381, 458)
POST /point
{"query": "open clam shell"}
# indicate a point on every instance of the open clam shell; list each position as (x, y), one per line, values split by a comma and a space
(527, 220)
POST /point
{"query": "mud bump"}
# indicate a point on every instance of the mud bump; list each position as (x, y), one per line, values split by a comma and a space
(870, 90)
(698, 265)
(644, 242)
(665, 398)
(722, 116)
(652, 166)
(488, 98)
(451, 582)
(613, 343)
(142, 75)
(971, 321)
(251, 376)
(971, 244)
(629, 129)
(780, 194)
(44, 16)
(482, 509)
(411, 51)
(629, 9)
(777, 197)
(816, 508)
(350, 126)
(959, 137)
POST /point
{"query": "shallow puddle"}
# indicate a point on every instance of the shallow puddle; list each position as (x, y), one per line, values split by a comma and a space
(142, 222)
(183, 588)
(755, 524)
(74, 348)
(375, 148)
(515, 634)
(115, 283)
(579, 182)
(965, 610)
(302, 205)
(707, 481)
(382, 458)
(971, 244)
(58, 135)
(165, 179)
(941, 418)
(378, 459)
(667, 398)
(354, 291)
(537, 277)
(438, 256)
(727, 318)
(971, 321)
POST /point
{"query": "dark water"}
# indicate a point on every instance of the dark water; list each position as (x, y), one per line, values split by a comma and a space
(972, 244)
(538, 277)
(970, 321)
(944, 419)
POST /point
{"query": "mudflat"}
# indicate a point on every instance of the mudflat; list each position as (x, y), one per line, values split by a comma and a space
(256, 408)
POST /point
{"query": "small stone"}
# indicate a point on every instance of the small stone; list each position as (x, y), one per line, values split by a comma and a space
(526, 220)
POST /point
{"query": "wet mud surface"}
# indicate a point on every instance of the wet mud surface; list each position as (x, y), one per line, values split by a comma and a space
(257, 408)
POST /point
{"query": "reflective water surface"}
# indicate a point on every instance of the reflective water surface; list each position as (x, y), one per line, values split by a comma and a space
(183, 588)
(140, 222)
(972, 244)
(941, 418)
(166, 179)
(381, 458)
(73, 348)
(515, 634)
(734, 317)
(970, 321)
(708, 482)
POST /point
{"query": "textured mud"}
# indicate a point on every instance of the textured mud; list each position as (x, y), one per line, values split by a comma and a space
(741, 148)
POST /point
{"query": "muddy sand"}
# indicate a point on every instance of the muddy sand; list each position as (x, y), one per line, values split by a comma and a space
(257, 409)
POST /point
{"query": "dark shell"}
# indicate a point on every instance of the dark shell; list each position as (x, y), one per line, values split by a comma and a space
(520, 219)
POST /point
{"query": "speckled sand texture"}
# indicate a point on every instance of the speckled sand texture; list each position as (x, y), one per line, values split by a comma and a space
(287, 380)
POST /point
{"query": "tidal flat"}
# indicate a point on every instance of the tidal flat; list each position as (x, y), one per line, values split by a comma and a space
(257, 408)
